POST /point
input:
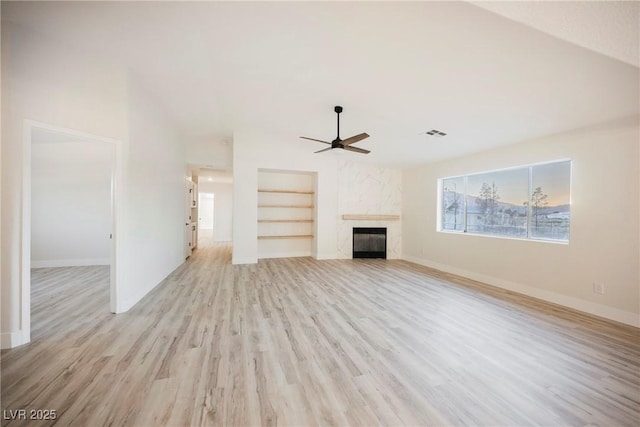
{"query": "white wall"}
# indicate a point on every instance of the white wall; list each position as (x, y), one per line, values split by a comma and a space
(76, 90)
(44, 83)
(71, 203)
(253, 151)
(211, 152)
(604, 244)
(152, 234)
(223, 208)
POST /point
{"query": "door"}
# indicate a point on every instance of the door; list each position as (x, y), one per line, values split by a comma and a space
(205, 218)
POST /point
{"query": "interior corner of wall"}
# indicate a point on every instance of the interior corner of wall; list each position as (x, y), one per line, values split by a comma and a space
(326, 255)
(244, 260)
(11, 339)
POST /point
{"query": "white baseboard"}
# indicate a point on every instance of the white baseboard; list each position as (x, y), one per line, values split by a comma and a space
(285, 255)
(10, 339)
(244, 260)
(70, 262)
(321, 256)
(125, 304)
(589, 307)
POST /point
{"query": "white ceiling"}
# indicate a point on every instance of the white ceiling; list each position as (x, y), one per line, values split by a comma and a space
(607, 27)
(398, 69)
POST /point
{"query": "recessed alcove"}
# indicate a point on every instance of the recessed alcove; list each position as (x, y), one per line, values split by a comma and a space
(286, 213)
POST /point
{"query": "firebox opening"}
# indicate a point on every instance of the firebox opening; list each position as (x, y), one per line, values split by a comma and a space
(369, 242)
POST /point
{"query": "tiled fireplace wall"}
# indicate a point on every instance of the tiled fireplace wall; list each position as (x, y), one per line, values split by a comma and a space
(366, 189)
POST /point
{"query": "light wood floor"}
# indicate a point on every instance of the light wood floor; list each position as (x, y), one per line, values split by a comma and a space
(302, 342)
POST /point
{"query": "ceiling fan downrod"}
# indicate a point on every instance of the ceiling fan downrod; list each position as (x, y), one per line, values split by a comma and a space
(338, 110)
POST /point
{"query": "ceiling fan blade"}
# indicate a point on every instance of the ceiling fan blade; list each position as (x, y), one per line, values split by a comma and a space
(317, 140)
(326, 149)
(356, 150)
(353, 139)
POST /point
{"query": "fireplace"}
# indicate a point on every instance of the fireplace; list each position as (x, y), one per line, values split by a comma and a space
(369, 242)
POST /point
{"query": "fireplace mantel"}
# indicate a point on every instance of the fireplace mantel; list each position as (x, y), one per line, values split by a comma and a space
(369, 217)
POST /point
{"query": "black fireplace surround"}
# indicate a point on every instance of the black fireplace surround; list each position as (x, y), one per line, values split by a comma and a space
(369, 242)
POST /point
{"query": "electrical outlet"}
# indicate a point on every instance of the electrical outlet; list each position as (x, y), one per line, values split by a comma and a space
(598, 288)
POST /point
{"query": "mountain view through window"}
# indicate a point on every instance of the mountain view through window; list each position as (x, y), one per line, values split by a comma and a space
(525, 202)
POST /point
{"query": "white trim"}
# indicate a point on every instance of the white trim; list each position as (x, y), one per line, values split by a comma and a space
(526, 165)
(25, 224)
(323, 256)
(52, 263)
(244, 260)
(128, 303)
(498, 236)
(10, 339)
(600, 310)
(285, 255)
(25, 243)
(116, 215)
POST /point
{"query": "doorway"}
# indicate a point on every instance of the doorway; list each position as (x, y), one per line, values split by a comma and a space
(69, 218)
(206, 215)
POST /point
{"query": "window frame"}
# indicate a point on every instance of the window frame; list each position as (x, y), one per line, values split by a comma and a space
(529, 236)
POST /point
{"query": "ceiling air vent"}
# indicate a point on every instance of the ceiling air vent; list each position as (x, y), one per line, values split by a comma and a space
(436, 133)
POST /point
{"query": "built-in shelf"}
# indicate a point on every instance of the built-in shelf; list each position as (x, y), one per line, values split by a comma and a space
(284, 191)
(286, 213)
(367, 217)
(295, 236)
(286, 206)
(285, 220)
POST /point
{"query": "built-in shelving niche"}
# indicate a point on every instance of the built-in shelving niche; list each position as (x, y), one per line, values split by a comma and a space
(286, 213)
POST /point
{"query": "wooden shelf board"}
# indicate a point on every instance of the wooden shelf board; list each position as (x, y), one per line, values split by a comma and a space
(296, 236)
(368, 217)
(261, 190)
(286, 206)
(285, 220)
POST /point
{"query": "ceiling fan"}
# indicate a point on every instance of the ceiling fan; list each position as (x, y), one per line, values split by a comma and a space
(339, 143)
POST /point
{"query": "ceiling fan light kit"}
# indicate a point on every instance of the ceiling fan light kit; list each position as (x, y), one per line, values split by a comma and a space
(339, 143)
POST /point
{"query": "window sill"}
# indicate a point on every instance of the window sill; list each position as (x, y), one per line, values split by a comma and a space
(522, 239)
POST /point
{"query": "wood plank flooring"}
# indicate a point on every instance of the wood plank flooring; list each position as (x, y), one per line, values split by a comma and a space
(301, 342)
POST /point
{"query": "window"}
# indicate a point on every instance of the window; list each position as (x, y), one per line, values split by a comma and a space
(549, 201)
(453, 204)
(525, 202)
(495, 203)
